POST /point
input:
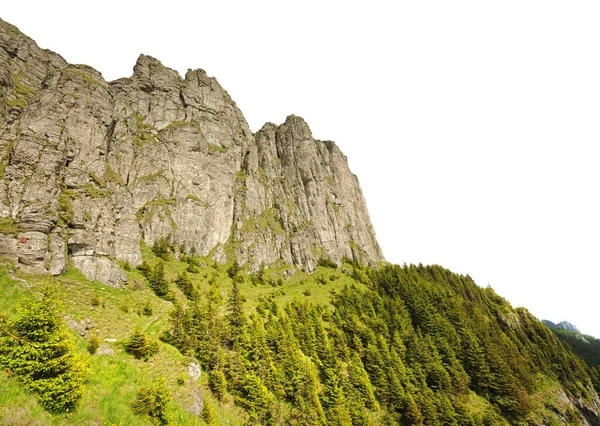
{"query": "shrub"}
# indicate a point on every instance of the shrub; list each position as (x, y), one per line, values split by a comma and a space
(158, 282)
(93, 344)
(140, 346)
(186, 286)
(95, 301)
(154, 402)
(217, 383)
(233, 270)
(38, 348)
(327, 263)
(192, 269)
(145, 269)
(147, 310)
(208, 413)
(162, 249)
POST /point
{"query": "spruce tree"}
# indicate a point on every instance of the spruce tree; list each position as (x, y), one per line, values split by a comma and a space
(154, 402)
(255, 398)
(186, 286)
(158, 282)
(333, 400)
(217, 383)
(38, 348)
(140, 346)
(208, 413)
(235, 316)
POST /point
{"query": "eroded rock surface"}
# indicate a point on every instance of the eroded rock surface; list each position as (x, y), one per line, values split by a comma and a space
(90, 168)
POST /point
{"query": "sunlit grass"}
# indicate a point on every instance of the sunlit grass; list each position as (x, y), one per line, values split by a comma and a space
(115, 313)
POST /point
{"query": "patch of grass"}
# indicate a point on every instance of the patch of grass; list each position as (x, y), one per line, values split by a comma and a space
(22, 92)
(548, 395)
(144, 133)
(95, 192)
(17, 407)
(8, 226)
(98, 180)
(241, 176)
(197, 200)
(159, 206)
(152, 177)
(86, 77)
(111, 176)
(267, 219)
(65, 207)
(216, 148)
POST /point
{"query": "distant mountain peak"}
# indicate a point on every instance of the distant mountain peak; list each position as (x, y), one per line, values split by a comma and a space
(563, 325)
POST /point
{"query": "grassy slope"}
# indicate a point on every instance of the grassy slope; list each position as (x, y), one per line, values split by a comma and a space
(115, 379)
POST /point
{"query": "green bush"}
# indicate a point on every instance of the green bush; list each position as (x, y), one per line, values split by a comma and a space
(154, 402)
(162, 248)
(145, 269)
(39, 349)
(147, 310)
(233, 270)
(186, 286)
(93, 344)
(140, 346)
(327, 263)
(208, 413)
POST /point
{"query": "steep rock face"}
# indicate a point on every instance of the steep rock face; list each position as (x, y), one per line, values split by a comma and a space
(90, 168)
(298, 201)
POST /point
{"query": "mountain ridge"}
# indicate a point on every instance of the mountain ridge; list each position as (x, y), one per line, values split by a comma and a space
(92, 167)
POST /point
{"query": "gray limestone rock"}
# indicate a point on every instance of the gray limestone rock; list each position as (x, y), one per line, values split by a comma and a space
(80, 329)
(196, 404)
(105, 350)
(194, 370)
(97, 268)
(90, 168)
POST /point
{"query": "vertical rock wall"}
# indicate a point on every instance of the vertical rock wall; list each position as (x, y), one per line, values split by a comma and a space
(89, 168)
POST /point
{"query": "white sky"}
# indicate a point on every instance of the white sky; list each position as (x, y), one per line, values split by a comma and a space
(473, 126)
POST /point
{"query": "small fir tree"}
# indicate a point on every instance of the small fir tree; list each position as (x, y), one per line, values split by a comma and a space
(217, 383)
(140, 346)
(158, 282)
(38, 348)
(154, 402)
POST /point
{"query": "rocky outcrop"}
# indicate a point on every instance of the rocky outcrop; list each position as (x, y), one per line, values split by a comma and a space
(90, 168)
(563, 325)
(298, 201)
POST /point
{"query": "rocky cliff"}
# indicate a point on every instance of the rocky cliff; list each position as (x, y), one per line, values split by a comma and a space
(90, 168)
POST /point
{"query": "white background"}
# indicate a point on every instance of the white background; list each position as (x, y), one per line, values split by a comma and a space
(472, 125)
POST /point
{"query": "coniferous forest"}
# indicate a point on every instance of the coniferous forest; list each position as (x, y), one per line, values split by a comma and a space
(409, 345)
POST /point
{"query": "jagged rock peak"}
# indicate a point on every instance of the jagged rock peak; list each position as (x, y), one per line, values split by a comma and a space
(90, 168)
